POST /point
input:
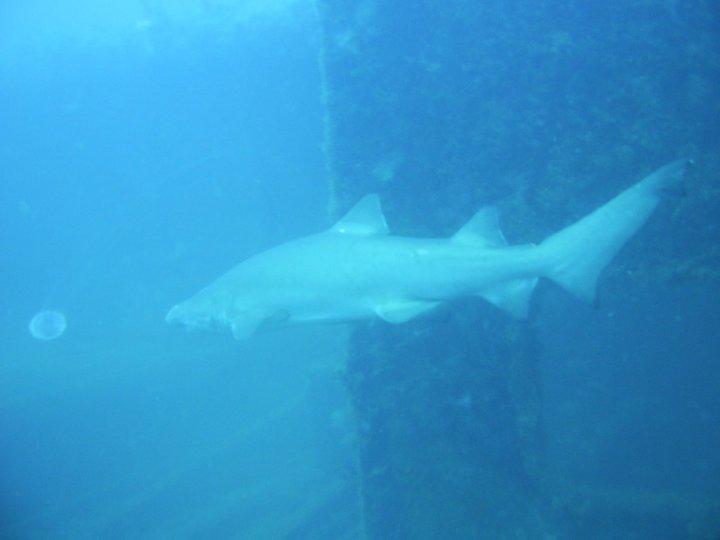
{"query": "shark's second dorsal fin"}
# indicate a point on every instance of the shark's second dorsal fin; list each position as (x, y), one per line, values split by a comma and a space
(365, 217)
(483, 229)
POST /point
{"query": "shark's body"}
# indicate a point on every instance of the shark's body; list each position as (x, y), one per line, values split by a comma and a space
(356, 270)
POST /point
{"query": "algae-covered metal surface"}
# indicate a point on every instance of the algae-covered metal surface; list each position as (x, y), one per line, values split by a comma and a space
(466, 418)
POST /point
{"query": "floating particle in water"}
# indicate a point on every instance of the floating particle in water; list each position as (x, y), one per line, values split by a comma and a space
(47, 325)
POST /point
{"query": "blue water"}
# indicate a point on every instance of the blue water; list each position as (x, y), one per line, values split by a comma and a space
(139, 162)
(148, 146)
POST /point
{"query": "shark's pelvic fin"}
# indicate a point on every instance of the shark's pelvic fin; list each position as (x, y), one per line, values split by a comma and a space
(575, 256)
(403, 310)
(482, 230)
(365, 217)
(513, 297)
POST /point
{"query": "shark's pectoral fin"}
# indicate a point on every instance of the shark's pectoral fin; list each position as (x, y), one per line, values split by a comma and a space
(403, 310)
(276, 318)
(244, 327)
(513, 297)
(245, 324)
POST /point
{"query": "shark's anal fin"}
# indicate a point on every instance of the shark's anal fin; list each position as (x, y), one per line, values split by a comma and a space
(365, 217)
(513, 297)
(401, 311)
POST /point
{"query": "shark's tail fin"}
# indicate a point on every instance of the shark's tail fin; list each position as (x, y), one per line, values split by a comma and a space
(576, 255)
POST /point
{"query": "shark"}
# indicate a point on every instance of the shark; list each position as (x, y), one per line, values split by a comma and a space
(356, 270)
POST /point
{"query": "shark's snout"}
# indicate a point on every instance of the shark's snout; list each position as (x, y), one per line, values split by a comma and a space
(174, 317)
(188, 316)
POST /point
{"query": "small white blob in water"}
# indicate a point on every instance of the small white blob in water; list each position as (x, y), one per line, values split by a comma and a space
(47, 324)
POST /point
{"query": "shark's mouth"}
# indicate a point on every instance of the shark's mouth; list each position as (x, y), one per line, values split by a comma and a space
(180, 317)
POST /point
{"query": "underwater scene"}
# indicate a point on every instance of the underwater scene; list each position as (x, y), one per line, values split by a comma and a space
(333, 269)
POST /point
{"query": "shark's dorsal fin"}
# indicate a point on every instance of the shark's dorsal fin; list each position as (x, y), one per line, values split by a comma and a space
(365, 217)
(483, 229)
